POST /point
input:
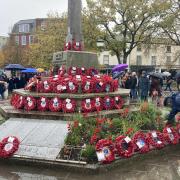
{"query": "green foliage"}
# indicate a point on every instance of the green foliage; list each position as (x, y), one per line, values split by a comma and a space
(127, 23)
(89, 153)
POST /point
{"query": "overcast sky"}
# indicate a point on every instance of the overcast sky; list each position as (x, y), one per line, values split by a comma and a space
(12, 11)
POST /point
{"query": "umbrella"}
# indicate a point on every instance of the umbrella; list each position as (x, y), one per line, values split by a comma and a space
(40, 70)
(119, 67)
(157, 75)
(117, 74)
(166, 73)
(29, 70)
(14, 67)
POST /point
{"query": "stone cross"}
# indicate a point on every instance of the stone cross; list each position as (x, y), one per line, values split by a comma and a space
(74, 21)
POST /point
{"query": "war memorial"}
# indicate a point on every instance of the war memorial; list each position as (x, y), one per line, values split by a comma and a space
(78, 118)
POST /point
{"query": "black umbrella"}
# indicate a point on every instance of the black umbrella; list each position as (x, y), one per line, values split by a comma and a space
(156, 75)
(14, 67)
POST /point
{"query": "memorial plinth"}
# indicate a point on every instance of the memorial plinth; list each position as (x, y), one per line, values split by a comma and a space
(75, 58)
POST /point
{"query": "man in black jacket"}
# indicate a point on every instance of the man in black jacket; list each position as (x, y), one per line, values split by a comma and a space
(133, 85)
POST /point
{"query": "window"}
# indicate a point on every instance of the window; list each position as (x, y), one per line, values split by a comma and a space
(43, 26)
(153, 60)
(168, 49)
(138, 48)
(24, 28)
(106, 59)
(23, 40)
(17, 40)
(31, 39)
(168, 59)
(139, 60)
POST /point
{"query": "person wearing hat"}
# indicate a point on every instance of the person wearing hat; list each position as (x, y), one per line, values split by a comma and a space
(143, 86)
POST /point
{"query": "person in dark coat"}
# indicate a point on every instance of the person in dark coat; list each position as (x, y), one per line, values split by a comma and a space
(155, 86)
(133, 85)
(143, 86)
(175, 107)
(2, 86)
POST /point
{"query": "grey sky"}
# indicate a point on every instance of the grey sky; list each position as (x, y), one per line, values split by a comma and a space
(12, 11)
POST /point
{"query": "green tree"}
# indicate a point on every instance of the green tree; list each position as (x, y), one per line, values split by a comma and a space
(126, 23)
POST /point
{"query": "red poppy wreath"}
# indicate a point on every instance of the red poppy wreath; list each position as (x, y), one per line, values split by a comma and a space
(8, 146)
(68, 106)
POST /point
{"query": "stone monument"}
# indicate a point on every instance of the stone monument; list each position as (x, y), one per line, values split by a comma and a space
(74, 54)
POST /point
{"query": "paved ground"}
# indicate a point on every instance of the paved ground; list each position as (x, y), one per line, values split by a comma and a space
(39, 138)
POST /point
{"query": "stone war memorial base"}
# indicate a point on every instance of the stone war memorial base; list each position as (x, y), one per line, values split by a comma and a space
(75, 58)
(8, 111)
(42, 140)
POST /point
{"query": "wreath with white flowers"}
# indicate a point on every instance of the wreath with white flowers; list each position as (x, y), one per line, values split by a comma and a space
(8, 146)
(108, 103)
(55, 104)
(98, 85)
(170, 135)
(68, 106)
(76, 46)
(29, 103)
(47, 86)
(105, 151)
(140, 142)
(155, 139)
(124, 146)
(118, 102)
(87, 105)
(42, 104)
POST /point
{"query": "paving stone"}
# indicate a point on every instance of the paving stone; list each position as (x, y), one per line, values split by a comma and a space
(39, 138)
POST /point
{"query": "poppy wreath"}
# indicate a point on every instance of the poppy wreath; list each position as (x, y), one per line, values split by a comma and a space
(106, 147)
(155, 139)
(76, 46)
(60, 87)
(73, 71)
(14, 99)
(170, 135)
(83, 71)
(72, 86)
(47, 86)
(140, 142)
(29, 103)
(98, 105)
(115, 85)
(68, 106)
(98, 85)
(55, 104)
(61, 71)
(87, 85)
(78, 78)
(178, 130)
(87, 105)
(8, 146)
(118, 102)
(42, 104)
(67, 46)
(92, 71)
(108, 103)
(107, 83)
(124, 146)
(19, 103)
